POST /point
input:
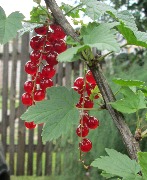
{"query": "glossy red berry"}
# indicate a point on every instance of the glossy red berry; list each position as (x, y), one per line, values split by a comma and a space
(31, 68)
(84, 119)
(79, 82)
(92, 122)
(26, 99)
(48, 71)
(37, 42)
(82, 131)
(58, 31)
(39, 95)
(51, 58)
(88, 103)
(45, 83)
(28, 86)
(60, 46)
(85, 145)
(41, 30)
(35, 56)
(48, 48)
(30, 125)
(90, 78)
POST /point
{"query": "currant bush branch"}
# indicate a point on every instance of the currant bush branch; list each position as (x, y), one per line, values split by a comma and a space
(131, 144)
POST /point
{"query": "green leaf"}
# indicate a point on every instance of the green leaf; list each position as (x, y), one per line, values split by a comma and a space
(9, 25)
(71, 54)
(94, 8)
(71, 41)
(117, 164)
(38, 14)
(131, 102)
(86, 29)
(58, 113)
(142, 158)
(107, 175)
(102, 37)
(133, 37)
(27, 27)
(129, 29)
(74, 13)
(124, 82)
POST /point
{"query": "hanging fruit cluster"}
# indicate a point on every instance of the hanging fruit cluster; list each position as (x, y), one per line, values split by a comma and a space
(85, 87)
(46, 45)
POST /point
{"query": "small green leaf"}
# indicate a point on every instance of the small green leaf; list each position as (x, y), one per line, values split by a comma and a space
(131, 102)
(124, 82)
(71, 41)
(38, 14)
(58, 113)
(71, 54)
(9, 25)
(94, 92)
(117, 164)
(142, 158)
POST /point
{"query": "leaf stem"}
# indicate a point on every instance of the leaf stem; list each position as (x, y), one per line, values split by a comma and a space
(138, 120)
(102, 57)
(144, 134)
(73, 9)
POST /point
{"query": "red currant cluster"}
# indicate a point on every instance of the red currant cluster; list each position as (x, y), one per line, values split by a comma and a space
(85, 87)
(46, 45)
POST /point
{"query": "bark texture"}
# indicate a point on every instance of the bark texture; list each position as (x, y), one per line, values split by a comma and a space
(131, 144)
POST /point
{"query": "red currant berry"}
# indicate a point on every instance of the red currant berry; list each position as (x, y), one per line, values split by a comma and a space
(51, 37)
(28, 86)
(35, 56)
(41, 30)
(48, 71)
(84, 119)
(79, 82)
(30, 125)
(93, 122)
(82, 131)
(90, 78)
(60, 46)
(60, 34)
(39, 95)
(30, 68)
(48, 48)
(51, 58)
(85, 145)
(88, 103)
(26, 99)
(45, 83)
(37, 42)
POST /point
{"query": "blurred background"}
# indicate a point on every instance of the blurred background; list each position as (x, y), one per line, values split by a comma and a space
(24, 151)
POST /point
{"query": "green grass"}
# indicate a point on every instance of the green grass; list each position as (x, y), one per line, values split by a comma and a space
(33, 177)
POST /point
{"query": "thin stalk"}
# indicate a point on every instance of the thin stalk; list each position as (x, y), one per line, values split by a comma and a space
(102, 57)
(144, 134)
(138, 120)
(73, 9)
